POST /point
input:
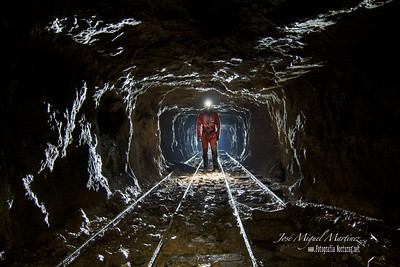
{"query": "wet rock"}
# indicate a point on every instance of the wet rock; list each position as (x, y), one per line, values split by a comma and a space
(60, 252)
(58, 240)
(112, 232)
(115, 259)
(131, 230)
(258, 215)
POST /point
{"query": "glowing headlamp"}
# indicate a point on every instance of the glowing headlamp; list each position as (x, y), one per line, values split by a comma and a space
(208, 104)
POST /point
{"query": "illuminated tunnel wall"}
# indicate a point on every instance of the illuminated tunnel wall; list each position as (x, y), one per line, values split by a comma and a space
(179, 138)
(249, 132)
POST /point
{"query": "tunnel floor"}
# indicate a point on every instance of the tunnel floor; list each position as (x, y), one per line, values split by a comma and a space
(227, 218)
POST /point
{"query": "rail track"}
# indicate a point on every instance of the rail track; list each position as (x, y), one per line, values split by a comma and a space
(196, 218)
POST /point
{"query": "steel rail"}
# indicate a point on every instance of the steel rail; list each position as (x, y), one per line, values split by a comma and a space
(70, 258)
(238, 219)
(263, 186)
(160, 244)
(195, 155)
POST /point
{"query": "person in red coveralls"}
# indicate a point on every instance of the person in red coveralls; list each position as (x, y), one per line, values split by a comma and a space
(208, 129)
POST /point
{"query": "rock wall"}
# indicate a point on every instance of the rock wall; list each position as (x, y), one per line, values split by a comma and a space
(342, 117)
(265, 154)
(145, 152)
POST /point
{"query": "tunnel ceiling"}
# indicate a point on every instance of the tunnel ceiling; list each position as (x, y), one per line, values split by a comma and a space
(240, 49)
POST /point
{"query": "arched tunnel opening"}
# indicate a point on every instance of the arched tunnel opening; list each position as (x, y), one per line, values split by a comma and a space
(100, 161)
(246, 134)
(178, 130)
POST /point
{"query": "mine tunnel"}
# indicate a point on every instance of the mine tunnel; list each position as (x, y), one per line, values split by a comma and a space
(178, 129)
(100, 162)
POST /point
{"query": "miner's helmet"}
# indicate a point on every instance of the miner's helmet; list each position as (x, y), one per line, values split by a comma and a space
(208, 104)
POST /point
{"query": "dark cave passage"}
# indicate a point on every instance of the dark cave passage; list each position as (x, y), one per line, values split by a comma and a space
(244, 126)
(178, 132)
(99, 105)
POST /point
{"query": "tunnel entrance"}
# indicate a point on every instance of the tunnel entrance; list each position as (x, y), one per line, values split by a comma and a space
(247, 133)
(179, 139)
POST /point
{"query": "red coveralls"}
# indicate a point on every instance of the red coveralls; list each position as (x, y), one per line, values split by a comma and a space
(208, 128)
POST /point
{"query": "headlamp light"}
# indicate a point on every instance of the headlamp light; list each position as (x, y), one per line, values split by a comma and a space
(208, 104)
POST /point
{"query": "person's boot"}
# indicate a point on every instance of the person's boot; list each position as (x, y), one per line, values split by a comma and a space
(205, 159)
(214, 153)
